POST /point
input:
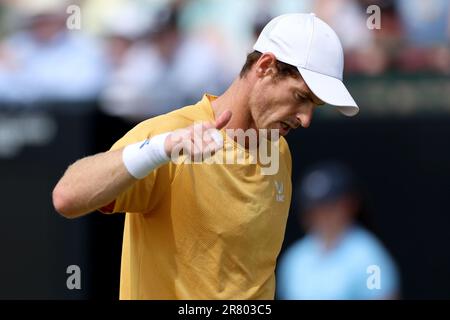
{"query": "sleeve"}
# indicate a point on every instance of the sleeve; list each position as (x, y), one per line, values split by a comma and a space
(145, 194)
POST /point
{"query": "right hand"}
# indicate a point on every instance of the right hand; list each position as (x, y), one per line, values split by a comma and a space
(198, 140)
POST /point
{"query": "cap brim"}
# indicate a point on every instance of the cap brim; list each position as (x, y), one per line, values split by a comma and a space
(330, 90)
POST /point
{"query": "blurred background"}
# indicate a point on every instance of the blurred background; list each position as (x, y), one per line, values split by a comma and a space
(76, 75)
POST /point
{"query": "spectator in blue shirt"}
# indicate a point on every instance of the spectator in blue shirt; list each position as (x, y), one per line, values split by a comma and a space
(47, 61)
(338, 258)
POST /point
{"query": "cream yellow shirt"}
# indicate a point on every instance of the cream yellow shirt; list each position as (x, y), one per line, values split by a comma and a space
(202, 231)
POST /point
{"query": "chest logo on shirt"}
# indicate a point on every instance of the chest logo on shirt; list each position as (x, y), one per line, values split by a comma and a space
(279, 189)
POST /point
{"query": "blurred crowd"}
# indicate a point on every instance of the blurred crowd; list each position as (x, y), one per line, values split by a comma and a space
(146, 57)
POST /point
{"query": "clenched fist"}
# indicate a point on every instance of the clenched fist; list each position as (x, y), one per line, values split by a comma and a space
(198, 141)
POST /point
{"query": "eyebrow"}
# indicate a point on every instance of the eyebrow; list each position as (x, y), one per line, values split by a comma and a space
(310, 96)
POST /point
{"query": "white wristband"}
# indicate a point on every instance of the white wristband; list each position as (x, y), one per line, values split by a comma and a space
(143, 157)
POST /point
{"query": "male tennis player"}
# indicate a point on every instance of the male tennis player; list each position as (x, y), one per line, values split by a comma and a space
(212, 231)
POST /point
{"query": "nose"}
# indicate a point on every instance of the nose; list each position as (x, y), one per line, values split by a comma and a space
(305, 116)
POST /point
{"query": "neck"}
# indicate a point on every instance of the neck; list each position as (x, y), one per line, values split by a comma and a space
(235, 99)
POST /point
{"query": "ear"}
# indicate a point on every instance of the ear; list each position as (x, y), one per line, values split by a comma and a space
(266, 65)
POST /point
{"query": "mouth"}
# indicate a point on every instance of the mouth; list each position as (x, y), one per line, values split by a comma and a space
(284, 128)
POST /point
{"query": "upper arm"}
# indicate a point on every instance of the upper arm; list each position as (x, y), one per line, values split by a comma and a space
(145, 194)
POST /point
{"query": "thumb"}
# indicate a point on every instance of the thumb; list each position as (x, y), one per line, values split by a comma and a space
(223, 119)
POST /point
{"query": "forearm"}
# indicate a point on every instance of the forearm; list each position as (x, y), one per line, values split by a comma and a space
(91, 183)
(96, 181)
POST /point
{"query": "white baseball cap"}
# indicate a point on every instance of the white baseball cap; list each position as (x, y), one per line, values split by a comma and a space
(305, 41)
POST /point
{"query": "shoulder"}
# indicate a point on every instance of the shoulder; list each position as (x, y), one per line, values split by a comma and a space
(367, 248)
(177, 119)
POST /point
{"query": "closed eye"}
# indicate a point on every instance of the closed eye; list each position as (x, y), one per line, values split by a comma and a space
(299, 97)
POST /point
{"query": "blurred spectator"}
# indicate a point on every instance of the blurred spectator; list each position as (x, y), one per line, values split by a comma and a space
(425, 22)
(426, 26)
(129, 60)
(365, 51)
(98, 14)
(166, 73)
(332, 260)
(348, 19)
(161, 53)
(226, 24)
(43, 60)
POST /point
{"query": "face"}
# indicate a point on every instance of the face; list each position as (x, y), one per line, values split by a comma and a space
(285, 103)
(330, 218)
(44, 28)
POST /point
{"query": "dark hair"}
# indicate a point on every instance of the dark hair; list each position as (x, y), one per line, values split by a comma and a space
(283, 69)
